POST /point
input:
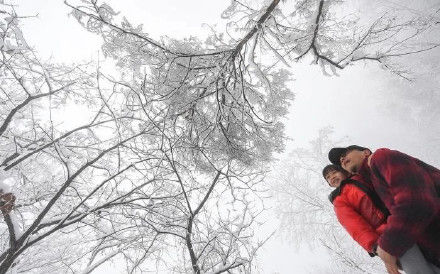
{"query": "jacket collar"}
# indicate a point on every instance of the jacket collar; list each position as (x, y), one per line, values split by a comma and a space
(337, 191)
(365, 170)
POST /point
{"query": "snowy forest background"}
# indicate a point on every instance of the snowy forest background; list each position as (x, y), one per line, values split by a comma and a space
(195, 142)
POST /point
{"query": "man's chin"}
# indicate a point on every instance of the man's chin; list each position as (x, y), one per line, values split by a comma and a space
(354, 169)
(348, 168)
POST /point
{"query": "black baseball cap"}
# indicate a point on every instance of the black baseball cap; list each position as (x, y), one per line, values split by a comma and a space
(334, 155)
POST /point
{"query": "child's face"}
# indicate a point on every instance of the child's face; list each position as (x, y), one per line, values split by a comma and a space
(334, 178)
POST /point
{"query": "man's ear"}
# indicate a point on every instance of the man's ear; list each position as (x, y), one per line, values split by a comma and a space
(367, 152)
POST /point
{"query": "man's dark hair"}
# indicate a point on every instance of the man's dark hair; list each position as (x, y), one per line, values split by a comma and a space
(329, 168)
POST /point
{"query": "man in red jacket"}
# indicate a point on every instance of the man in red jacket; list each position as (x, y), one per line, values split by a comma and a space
(410, 190)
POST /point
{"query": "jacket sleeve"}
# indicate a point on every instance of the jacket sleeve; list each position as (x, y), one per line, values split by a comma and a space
(414, 199)
(359, 229)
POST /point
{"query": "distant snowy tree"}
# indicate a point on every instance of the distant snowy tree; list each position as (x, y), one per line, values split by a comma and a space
(414, 106)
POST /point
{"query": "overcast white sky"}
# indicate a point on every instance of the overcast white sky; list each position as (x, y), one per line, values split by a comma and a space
(355, 103)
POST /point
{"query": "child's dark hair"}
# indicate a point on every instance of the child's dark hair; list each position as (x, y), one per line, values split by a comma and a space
(329, 168)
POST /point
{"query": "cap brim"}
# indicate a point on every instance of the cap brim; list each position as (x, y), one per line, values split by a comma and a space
(334, 155)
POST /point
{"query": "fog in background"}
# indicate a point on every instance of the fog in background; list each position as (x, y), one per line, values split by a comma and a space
(364, 105)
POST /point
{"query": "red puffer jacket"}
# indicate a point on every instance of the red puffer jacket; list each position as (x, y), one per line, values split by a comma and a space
(358, 214)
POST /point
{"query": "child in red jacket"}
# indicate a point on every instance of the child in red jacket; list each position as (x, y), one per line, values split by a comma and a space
(357, 207)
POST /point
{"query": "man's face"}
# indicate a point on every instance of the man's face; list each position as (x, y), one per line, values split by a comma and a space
(352, 160)
(334, 178)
